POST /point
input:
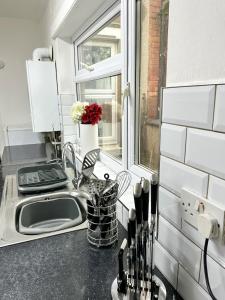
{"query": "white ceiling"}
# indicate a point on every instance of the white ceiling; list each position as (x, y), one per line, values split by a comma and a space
(23, 9)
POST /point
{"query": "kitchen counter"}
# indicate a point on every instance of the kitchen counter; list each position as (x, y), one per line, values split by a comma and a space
(60, 267)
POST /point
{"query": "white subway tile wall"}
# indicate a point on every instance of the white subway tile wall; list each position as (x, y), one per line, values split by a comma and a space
(205, 151)
(185, 252)
(174, 176)
(119, 211)
(188, 288)
(169, 207)
(219, 120)
(173, 139)
(166, 264)
(69, 129)
(216, 277)
(216, 191)
(196, 162)
(189, 106)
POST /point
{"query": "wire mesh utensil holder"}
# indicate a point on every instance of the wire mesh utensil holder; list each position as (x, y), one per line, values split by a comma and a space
(102, 220)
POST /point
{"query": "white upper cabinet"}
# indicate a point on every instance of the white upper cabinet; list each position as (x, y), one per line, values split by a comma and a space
(44, 101)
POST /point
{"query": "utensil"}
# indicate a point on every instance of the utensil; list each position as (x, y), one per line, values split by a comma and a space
(123, 179)
(88, 166)
(89, 162)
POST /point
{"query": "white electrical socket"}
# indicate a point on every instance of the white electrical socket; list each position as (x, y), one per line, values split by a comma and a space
(192, 205)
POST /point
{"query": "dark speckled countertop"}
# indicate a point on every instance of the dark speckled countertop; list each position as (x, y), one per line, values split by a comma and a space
(61, 267)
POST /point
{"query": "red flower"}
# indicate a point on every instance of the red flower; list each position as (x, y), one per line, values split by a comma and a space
(92, 114)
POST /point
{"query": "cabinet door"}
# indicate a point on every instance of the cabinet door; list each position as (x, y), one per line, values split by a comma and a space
(44, 104)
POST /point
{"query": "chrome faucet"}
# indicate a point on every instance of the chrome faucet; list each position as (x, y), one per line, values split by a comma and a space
(69, 147)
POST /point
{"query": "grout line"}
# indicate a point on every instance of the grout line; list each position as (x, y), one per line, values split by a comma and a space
(200, 268)
(185, 148)
(207, 191)
(214, 106)
(188, 126)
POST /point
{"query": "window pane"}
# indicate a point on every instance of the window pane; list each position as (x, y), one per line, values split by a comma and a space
(107, 93)
(151, 70)
(102, 45)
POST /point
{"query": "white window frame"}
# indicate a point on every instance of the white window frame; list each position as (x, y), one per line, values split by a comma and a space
(133, 107)
(124, 64)
(106, 68)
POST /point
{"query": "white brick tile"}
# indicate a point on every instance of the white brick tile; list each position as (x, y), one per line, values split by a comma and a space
(183, 250)
(193, 234)
(119, 211)
(66, 110)
(69, 130)
(216, 191)
(67, 120)
(125, 217)
(67, 99)
(166, 264)
(174, 176)
(205, 150)
(169, 206)
(173, 139)
(219, 120)
(69, 138)
(216, 278)
(189, 106)
(188, 288)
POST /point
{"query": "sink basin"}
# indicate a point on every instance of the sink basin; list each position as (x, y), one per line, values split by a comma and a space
(49, 215)
(30, 217)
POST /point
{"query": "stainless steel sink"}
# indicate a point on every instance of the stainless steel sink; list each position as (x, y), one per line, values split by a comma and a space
(25, 218)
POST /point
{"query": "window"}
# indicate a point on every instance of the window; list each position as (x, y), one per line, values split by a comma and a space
(107, 93)
(98, 78)
(126, 47)
(103, 44)
(152, 21)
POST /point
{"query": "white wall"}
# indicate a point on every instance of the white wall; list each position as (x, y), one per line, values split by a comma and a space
(53, 17)
(18, 38)
(196, 42)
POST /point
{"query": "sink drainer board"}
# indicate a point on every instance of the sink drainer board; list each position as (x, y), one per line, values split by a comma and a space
(49, 215)
(41, 177)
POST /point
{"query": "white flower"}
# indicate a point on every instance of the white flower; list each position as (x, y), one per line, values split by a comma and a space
(77, 111)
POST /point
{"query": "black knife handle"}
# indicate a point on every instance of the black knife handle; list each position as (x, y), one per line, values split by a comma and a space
(120, 259)
(132, 222)
(154, 195)
(128, 234)
(145, 198)
(138, 202)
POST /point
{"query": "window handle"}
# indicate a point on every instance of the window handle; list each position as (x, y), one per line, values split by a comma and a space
(126, 93)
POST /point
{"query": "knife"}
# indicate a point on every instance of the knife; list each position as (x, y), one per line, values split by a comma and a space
(154, 200)
(138, 207)
(145, 198)
(122, 279)
(132, 225)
